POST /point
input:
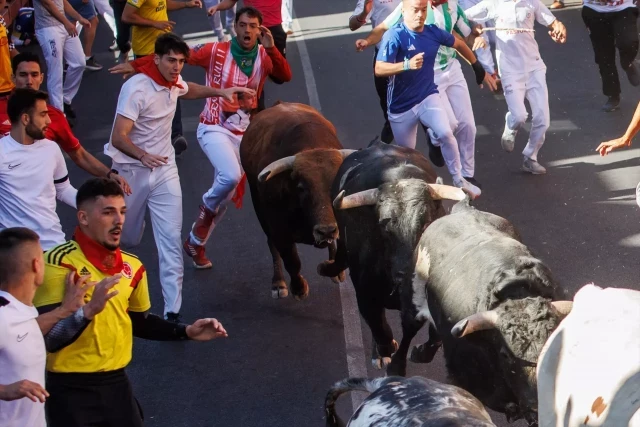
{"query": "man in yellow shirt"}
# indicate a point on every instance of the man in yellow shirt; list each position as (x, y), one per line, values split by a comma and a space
(149, 19)
(86, 378)
(7, 51)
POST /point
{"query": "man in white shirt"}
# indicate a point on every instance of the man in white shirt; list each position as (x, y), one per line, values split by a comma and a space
(141, 150)
(522, 71)
(22, 349)
(611, 24)
(33, 172)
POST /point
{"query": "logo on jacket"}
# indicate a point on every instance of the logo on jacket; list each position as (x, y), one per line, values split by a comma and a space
(85, 272)
(127, 271)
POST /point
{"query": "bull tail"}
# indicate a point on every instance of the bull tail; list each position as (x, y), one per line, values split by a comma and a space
(345, 386)
(374, 141)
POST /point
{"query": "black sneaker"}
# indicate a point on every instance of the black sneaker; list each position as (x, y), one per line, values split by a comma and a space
(69, 111)
(612, 104)
(179, 144)
(92, 64)
(633, 74)
(387, 134)
(435, 153)
(173, 317)
(473, 181)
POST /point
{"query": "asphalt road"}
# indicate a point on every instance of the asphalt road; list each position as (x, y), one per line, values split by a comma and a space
(282, 355)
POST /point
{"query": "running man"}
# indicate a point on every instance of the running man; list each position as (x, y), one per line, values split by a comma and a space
(408, 53)
(27, 73)
(522, 71)
(141, 150)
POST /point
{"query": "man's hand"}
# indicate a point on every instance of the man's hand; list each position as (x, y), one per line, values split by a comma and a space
(74, 292)
(415, 63)
(84, 23)
(205, 330)
(558, 32)
(608, 146)
(21, 389)
(490, 81)
(194, 3)
(122, 183)
(165, 26)
(479, 43)
(229, 93)
(361, 44)
(70, 28)
(153, 161)
(212, 10)
(101, 295)
(126, 69)
(265, 37)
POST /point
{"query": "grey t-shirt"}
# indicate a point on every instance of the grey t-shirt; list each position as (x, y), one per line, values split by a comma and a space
(43, 18)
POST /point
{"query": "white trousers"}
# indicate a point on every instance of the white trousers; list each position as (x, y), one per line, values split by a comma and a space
(216, 22)
(432, 113)
(532, 87)
(222, 149)
(457, 102)
(56, 44)
(159, 189)
(104, 8)
(287, 13)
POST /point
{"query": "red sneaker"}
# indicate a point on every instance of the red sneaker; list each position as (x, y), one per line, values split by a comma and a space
(202, 226)
(200, 260)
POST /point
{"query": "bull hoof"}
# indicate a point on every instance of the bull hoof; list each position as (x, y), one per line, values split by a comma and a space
(424, 353)
(340, 277)
(380, 362)
(327, 269)
(397, 369)
(279, 290)
(300, 288)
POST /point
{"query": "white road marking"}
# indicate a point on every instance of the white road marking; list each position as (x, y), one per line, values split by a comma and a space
(354, 346)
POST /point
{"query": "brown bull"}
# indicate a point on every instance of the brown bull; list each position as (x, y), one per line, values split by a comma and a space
(290, 154)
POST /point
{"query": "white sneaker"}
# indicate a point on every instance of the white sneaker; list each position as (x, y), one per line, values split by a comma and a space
(232, 31)
(531, 166)
(508, 139)
(473, 191)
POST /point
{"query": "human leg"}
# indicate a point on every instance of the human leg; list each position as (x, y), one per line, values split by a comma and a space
(602, 35)
(538, 97)
(52, 40)
(138, 179)
(405, 128)
(514, 93)
(74, 56)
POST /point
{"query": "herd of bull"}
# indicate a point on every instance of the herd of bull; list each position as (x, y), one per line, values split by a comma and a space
(506, 328)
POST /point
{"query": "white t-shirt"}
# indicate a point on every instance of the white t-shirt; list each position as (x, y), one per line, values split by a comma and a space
(27, 188)
(152, 108)
(22, 357)
(517, 52)
(608, 5)
(379, 11)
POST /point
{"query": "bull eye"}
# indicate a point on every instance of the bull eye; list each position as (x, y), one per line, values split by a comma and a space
(300, 186)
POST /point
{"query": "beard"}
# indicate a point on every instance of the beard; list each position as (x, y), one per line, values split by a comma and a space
(34, 132)
(111, 247)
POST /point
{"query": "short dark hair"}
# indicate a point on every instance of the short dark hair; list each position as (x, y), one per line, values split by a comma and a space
(23, 101)
(24, 57)
(12, 239)
(170, 42)
(251, 12)
(96, 187)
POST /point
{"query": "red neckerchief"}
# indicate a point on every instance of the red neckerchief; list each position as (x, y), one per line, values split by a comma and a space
(151, 70)
(436, 3)
(109, 262)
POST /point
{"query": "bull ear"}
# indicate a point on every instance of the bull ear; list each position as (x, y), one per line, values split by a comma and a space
(273, 169)
(475, 322)
(362, 198)
(345, 153)
(439, 191)
(563, 307)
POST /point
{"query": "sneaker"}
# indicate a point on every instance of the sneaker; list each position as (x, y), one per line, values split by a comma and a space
(113, 47)
(172, 317)
(508, 139)
(179, 144)
(633, 74)
(531, 166)
(232, 31)
(92, 64)
(612, 104)
(203, 223)
(197, 253)
(557, 5)
(69, 111)
(467, 187)
(288, 30)
(435, 153)
(386, 135)
(473, 181)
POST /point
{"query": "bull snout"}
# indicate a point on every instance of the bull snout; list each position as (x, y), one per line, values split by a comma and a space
(325, 234)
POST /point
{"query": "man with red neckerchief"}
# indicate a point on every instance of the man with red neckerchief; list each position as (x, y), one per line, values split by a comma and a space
(242, 62)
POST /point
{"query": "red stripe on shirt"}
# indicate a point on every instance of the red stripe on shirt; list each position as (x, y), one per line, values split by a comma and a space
(137, 277)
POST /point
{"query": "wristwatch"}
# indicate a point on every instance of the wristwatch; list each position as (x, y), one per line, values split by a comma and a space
(112, 171)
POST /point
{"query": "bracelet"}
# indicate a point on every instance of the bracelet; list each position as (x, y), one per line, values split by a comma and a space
(110, 172)
(140, 159)
(405, 65)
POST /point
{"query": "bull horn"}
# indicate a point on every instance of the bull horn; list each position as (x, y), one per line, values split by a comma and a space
(345, 153)
(273, 169)
(362, 198)
(475, 322)
(563, 307)
(447, 192)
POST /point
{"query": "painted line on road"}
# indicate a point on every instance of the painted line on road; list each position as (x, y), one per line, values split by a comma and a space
(354, 345)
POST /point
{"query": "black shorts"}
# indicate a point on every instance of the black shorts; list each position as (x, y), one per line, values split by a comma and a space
(279, 38)
(94, 399)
